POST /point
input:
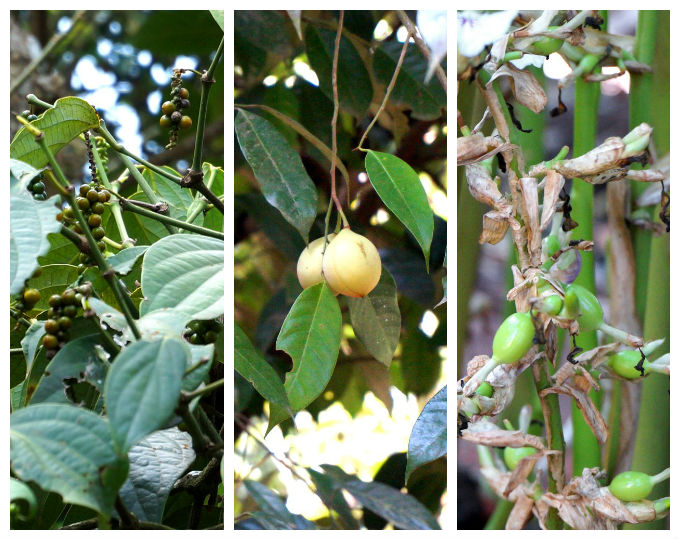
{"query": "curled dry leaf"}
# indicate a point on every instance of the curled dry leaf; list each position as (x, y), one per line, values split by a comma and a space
(476, 147)
(525, 87)
(594, 357)
(488, 434)
(495, 225)
(482, 186)
(520, 514)
(529, 190)
(554, 183)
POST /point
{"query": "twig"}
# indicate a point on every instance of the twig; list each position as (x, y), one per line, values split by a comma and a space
(333, 123)
(405, 20)
(51, 45)
(387, 93)
(188, 396)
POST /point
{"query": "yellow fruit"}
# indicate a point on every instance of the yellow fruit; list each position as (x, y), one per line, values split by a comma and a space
(351, 264)
(309, 264)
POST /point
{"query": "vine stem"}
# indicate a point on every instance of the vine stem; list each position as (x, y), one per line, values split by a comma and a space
(51, 45)
(333, 123)
(405, 20)
(204, 390)
(387, 93)
(130, 205)
(106, 270)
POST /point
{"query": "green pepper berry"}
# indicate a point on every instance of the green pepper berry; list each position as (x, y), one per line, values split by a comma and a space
(623, 364)
(104, 196)
(71, 311)
(32, 117)
(31, 297)
(54, 300)
(84, 189)
(94, 220)
(68, 213)
(211, 336)
(196, 339)
(546, 46)
(168, 108)
(92, 196)
(513, 338)
(512, 456)
(183, 93)
(551, 304)
(38, 188)
(631, 486)
(82, 203)
(485, 389)
(165, 121)
(68, 297)
(98, 232)
(185, 122)
(591, 314)
(50, 341)
(98, 208)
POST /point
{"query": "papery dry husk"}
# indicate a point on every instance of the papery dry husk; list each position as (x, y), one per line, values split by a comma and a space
(495, 225)
(529, 192)
(482, 186)
(525, 87)
(475, 147)
(488, 434)
(553, 185)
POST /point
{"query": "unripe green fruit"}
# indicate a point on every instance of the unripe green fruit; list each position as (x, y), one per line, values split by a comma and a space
(514, 455)
(623, 364)
(50, 341)
(165, 121)
(552, 304)
(168, 107)
(485, 389)
(513, 338)
(591, 314)
(310, 263)
(31, 297)
(352, 265)
(546, 46)
(183, 93)
(631, 486)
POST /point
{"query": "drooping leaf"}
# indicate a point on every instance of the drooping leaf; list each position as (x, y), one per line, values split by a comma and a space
(425, 100)
(428, 440)
(156, 462)
(353, 82)
(68, 450)
(274, 510)
(31, 341)
(311, 336)
(77, 361)
(329, 489)
(18, 491)
(142, 389)
(185, 272)
(403, 510)
(250, 364)
(376, 319)
(60, 125)
(400, 189)
(30, 222)
(123, 261)
(279, 170)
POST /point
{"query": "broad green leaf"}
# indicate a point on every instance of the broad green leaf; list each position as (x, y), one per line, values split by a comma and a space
(376, 319)
(218, 15)
(311, 336)
(60, 125)
(142, 389)
(250, 364)
(272, 505)
(30, 222)
(400, 189)
(185, 272)
(18, 491)
(68, 450)
(61, 251)
(425, 100)
(409, 273)
(31, 341)
(53, 279)
(404, 511)
(199, 353)
(353, 82)
(178, 198)
(77, 361)
(123, 261)
(279, 170)
(429, 438)
(329, 490)
(156, 463)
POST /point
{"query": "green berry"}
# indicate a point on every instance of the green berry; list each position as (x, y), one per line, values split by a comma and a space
(31, 297)
(68, 297)
(98, 208)
(98, 232)
(623, 364)
(84, 189)
(546, 46)
(485, 389)
(168, 108)
(195, 339)
(631, 486)
(92, 196)
(101, 246)
(210, 336)
(50, 341)
(94, 220)
(552, 304)
(70, 311)
(512, 456)
(65, 323)
(183, 93)
(68, 213)
(54, 300)
(165, 121)
(38, 187)
(591, 314)
(513, 338)
(51, 326)
(32, 117)
(40, 196)
(104, 196)
(82, 203)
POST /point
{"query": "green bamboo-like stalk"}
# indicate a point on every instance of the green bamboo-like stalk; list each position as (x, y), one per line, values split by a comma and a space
(652, 441)
(586, 451)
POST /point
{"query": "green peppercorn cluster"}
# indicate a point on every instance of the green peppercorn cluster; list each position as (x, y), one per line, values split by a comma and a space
(63, 309)
(37, 187)
(91, 201)
(173, 118)
(203, 332)
(28, 115)
(28, 297)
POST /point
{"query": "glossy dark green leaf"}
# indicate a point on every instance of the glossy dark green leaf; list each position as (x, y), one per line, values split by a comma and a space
(311, 336)
(403, 510)
(68, 450)
(60, 125)
(31, 341)
(401, 190)
(278, 168)
(429, 438)
(61, 251)
(420, 362)
(275, 514)
(410, 274)
(218, 16)
(376, 319)
(142, 389)
(53, 279)
(178, 198)
(425, 100)
(251, 365)
(156, 462)
(353, 81)
(329, 489)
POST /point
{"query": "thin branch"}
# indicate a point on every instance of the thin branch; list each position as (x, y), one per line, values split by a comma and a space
(405, 20)
(387, 93)
(333, 124)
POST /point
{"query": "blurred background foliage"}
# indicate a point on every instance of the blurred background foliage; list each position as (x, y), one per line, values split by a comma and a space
(274, 67)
